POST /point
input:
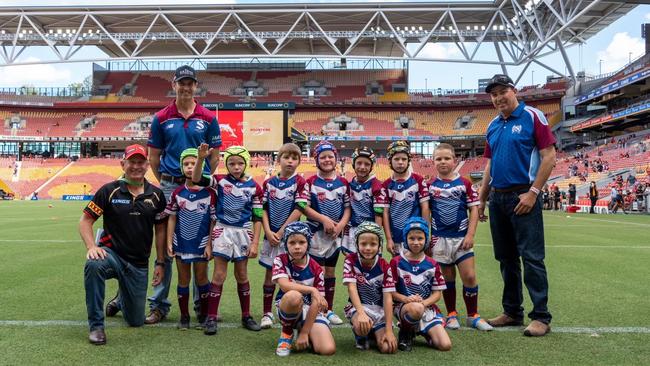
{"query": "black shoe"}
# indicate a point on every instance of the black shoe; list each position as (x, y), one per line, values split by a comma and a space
(210, 327)
(405, 340)
(200, 321)
(184, 323)
(97, 337)
(361, 343)
(250, 324)
(112, 308)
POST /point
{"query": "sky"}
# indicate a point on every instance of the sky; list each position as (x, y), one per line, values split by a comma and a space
(608, 51)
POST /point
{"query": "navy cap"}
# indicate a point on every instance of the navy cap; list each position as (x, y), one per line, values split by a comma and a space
(499, 79)
(185, 72)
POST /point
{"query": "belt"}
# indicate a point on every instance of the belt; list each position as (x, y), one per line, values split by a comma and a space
(172, 179)
(520, 187)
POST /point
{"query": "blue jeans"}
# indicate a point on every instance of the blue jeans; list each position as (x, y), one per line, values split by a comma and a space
(160, 297)
(515, 237)
(133, 289)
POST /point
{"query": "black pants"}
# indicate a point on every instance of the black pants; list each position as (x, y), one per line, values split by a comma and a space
(593, 204)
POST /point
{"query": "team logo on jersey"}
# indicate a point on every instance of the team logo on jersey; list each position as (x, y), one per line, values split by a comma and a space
(227, 189)
(400, 186)
(516, 129)
(149, 202)
(321, 196)
(281, 184)
(361, 279)
(407, 279)
(200, 125)
(272, 194)
(95, 209)
(169, 126)
(329, 185)
(192, 196)
(202, 207)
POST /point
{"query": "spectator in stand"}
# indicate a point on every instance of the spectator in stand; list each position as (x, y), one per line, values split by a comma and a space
(631, 179)
(593, 196)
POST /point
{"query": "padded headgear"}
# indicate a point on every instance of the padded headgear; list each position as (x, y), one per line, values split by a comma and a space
(296, 227)
(237, 151)
(369, 227)
(416, 223)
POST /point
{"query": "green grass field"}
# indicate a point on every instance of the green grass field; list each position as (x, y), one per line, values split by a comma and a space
(597, 265)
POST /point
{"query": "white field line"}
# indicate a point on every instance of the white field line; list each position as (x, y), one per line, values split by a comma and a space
(115, 323)
(599, 220)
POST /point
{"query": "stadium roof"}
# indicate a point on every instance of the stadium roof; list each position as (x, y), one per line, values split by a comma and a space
(520, 31)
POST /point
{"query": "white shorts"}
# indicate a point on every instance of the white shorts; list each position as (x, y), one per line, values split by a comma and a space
(446, 251)
(268, 254)
(430, 318)
(231, 242)
(323, 247)
(348, 244)
(320, 318)
(374, 312)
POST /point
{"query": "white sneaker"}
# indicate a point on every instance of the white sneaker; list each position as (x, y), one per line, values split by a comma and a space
(477, 323)
(452, 322)
(267, 321)
(333, 318)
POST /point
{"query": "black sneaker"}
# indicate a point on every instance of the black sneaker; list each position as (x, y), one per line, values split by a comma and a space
(210, 327)
(184, 323)
(361, 343)
(405, 340)
(112, 308)
(250, 324)
(200, 322)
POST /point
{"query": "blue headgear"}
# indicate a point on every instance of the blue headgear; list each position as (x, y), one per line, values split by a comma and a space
(323, 145)
(416, 223)
(296, 227)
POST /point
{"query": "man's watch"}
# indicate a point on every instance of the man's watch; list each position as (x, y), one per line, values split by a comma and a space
(162, 264)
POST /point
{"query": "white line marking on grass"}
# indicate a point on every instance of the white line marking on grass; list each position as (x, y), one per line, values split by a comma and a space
(38, 241)
(605, 220)
(571, 246)
(116, 323)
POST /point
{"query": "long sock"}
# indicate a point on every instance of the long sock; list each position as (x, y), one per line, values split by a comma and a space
(204, 296)
(470, 295)
(183, 300)
(288, 321)
(244, 292)
(268, 298)
(449, 295)
(407, 323)
(214, 296)
(330, 286)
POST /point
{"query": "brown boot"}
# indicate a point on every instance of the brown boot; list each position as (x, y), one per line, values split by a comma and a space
(154, 317)
(504, 320)
(97, 337)
(537, 329)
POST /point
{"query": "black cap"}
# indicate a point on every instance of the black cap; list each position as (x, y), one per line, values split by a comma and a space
(185, 72)
(499, 79)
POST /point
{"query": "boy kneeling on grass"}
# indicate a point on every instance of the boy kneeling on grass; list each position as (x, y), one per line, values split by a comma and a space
(300, 301)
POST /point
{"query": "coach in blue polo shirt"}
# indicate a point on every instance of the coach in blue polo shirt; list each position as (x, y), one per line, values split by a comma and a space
(181, 125)
(521, 153)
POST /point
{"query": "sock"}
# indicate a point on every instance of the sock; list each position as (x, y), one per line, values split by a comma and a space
(244, 292)
(470, 295)
(204, 295)
(408, 323)
(183, 300)
(214, 296)
(449, 295)
(268, 298)
(288, 321)
(330, 286)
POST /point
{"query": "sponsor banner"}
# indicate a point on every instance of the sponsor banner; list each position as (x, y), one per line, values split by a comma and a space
(374, 138)
(610, 117)
(614, 86)
(77, 197)
(251, 105)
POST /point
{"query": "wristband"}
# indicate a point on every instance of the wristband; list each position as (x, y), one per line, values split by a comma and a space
(534, 190)
(162, 264)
